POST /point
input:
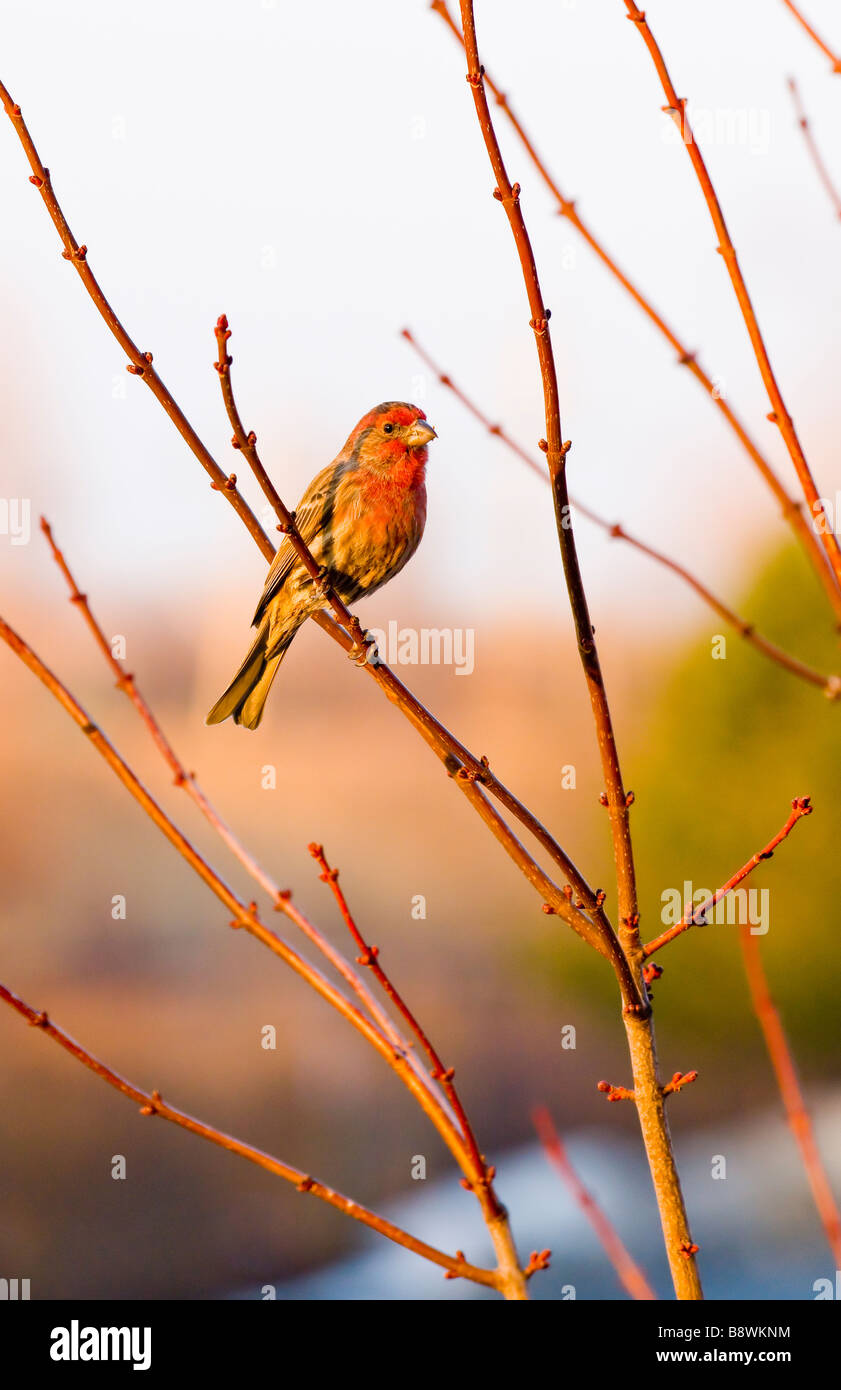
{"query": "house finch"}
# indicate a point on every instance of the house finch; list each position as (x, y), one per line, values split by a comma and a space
(362, 517)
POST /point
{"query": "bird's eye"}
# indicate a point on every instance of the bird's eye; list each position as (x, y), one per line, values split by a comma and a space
(388, 427)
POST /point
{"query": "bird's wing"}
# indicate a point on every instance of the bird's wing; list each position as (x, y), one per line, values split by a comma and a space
(312, 515)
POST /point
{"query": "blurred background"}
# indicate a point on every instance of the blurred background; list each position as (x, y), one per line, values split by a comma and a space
(317, 174)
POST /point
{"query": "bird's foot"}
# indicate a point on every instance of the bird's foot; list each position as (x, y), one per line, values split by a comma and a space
(364, 649)
(322, 584)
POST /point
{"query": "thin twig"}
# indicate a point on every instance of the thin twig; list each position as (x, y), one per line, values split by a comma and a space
(696, 917)
(676, 108)
(830, 685)
(454, 755)
(152, 1104)
(246, 916)
(629, 1272)
(811, 145)
(791, 510)
(370, 957)
(814, 36)
(797, 1115)
(680, 1249)
(244, 440)
(140, 363)
(281, 898)
(508, 195)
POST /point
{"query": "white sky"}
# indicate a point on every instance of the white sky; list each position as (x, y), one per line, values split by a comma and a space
(316, 172)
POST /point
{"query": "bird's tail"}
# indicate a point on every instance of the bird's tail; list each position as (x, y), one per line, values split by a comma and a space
(246, 694)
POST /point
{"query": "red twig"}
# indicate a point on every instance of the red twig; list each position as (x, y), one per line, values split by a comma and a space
(814, 36)
(281, 899)
(556, 450)
(811, 145)
(567, 208)
(511, 1279)
(152, 1104)
(629, 1272)
(639, 1032)
(243, 915)
(370, 957)
(830, 685)
(797, 1115)
(801, 806)
(676, 108)
(245, 441)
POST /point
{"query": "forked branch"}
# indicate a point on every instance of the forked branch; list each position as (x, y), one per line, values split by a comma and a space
(511, 1277)
(830, 685)
(151, 1104)
(791, 510)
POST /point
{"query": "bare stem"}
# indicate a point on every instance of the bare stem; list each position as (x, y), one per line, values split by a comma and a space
(814, 35)
(629, 1272)
(791, 510)
(246, 916)
(785, 1071)
(151, 1103)
(281, 898)
(680, 1249)
(801, 806)
(676, 108)
(830, 685)
(494, 1212)
(811, 145)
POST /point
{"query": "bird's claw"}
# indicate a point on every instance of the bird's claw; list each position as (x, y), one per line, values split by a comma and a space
(321, 584)
(364, 649)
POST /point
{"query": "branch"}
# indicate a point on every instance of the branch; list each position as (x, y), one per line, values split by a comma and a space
(680, 1249)
(152, 1104)
(246, 916)
(801, 806)
(511, 1273)
(790, 509)
(817, 158)
(830, 685)
(456, 758)
(676, 108)
(245, 441)
(369, 957)
(140, 363)
(508, 195)
(281, 899)
(814, 36)
(629, 1272)
(797, 1115)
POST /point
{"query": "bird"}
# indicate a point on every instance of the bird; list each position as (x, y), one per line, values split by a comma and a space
(362, 518)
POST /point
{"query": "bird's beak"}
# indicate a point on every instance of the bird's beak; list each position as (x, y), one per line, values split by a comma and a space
(419, 433)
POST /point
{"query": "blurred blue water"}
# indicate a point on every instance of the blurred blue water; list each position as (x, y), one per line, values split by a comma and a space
(757, 1227)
